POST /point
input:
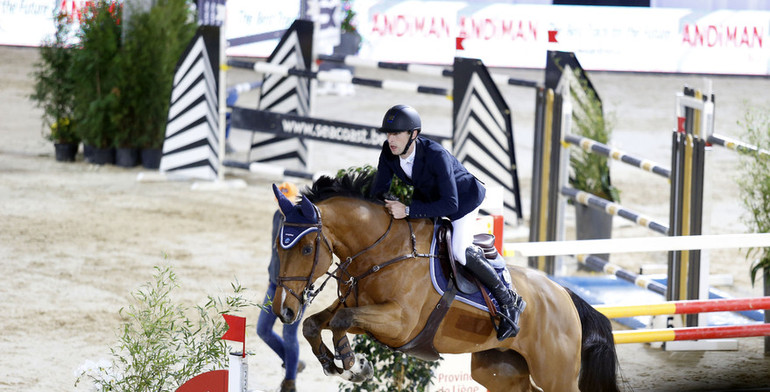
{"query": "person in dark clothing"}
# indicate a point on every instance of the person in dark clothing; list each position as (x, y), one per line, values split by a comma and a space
(286, 346)
(443, 187)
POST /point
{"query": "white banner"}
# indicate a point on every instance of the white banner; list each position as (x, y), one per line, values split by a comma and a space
(502, 35)
(248, 21)
(26, 22)
(603, 38)
(454, 375)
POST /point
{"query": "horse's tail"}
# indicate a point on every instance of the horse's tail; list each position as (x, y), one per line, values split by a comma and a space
(598, 370)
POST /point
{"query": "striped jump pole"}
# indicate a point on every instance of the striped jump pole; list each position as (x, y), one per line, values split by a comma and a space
(685, 307)
(611, 208)
(735, 145)
(691, 333)
(272, 172)
(618, 155)
(241, 88)
(337, 77)
(598, 264)
(419, 69)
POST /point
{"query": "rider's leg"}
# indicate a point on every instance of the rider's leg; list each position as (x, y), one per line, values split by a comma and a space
(511, 305)
(463, 230)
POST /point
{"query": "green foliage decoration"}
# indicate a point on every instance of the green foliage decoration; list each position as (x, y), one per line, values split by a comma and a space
(154, 41)
(160, 347)
(349, 15)
(53, 91)
(398, 188)
(95, 72)
(590, 172)
(393, 371)
(754, 184)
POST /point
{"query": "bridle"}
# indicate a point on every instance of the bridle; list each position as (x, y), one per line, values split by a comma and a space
(309, 292)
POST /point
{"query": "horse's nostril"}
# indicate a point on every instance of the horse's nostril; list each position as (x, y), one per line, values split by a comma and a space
(287, 315)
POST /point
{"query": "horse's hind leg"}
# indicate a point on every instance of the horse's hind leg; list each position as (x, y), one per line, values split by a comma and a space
(501, 371)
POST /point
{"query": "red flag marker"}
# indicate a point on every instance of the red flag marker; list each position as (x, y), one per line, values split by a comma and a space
(552, 36)
(236, 330)
(459, 43)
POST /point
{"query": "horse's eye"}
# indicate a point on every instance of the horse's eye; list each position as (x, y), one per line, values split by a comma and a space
(306, 250)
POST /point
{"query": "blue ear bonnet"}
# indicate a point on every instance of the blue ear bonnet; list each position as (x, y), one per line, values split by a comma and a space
(303, 214)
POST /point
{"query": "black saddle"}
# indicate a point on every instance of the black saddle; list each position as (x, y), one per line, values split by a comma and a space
(455, 271)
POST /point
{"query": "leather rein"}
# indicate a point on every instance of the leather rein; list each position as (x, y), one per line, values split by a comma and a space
(309, 292)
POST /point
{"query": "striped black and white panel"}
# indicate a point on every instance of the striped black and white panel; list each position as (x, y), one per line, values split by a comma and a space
(286, 94)
(211, 12)
(483, 133)
(191, 145)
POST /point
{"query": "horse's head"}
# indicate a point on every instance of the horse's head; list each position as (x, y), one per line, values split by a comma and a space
(305, 254)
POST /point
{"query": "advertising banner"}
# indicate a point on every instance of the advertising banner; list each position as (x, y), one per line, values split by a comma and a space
(26, 22)
(603, 38)
(637, 39)
(255, 26)
(454, 375)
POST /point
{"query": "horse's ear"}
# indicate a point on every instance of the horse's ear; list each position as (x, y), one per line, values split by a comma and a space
(308, 209)
(283, 202)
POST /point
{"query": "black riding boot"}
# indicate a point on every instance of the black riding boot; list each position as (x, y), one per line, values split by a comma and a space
(510, 303)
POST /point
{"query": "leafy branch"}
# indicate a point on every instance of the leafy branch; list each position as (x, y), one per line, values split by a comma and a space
(754, 184)
(159, 346)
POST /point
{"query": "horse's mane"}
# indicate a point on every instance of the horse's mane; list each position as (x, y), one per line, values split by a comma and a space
(356, 185)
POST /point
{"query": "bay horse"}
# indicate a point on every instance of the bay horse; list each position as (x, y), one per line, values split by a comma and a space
(384, 290)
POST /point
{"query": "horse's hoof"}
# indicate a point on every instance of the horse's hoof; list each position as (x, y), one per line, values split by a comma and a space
(361, 370)
(332, 371)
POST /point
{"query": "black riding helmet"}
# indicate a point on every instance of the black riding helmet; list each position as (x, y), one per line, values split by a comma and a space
(401, 118)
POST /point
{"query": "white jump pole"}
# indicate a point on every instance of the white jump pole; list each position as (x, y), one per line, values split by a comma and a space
(637, 244)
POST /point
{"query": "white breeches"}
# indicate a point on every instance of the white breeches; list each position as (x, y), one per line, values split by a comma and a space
(463, 230)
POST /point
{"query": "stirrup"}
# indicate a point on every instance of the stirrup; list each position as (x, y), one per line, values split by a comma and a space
(509, 321)
(506, 328)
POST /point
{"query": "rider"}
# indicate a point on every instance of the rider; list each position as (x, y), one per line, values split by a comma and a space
(442, 187)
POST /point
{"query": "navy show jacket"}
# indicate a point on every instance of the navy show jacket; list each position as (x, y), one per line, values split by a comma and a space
(442, 185)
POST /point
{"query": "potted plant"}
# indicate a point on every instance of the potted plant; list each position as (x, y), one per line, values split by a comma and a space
(95, 72)
(54, 90)
(153, 43)
(590, 172)
(65, 139)
(754, 184)
(350, 40)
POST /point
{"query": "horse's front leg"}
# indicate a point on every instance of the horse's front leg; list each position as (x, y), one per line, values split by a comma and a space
(311, 329)
(381, 321)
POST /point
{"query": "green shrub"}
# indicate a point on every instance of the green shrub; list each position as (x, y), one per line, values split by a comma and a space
(590, 171)
(160, 347)
(154, 41)
(393, 371)
(754, 184)
(95, 72)
(54, 85)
